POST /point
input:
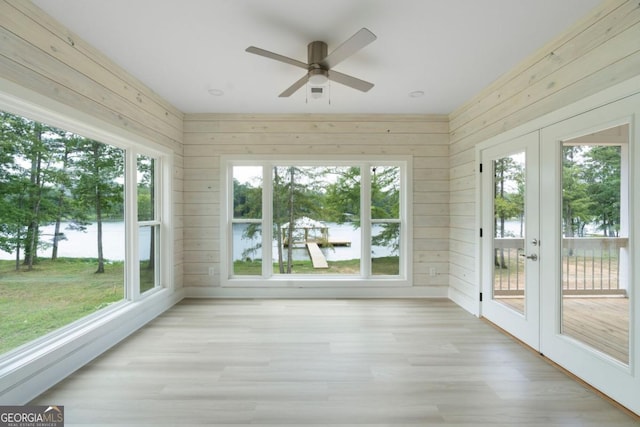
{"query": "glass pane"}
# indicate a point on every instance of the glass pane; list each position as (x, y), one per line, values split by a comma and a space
(247, 249)
(247, 232)
(316, 220)
(61, 228)
(385, 192)
(146, 188)
(147, 239)
(385, 249)
(247, 192)
(595, 245)
(509, 229)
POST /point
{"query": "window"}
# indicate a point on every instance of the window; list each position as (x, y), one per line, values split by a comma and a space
(148, 223)
(319, 220)
(65, 244)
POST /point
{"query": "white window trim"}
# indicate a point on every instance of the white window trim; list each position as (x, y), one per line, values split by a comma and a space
(32, 368)
(269, 280)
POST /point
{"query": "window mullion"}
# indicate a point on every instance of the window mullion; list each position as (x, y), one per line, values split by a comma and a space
(365, 220)
(267, 220)
(132, 267)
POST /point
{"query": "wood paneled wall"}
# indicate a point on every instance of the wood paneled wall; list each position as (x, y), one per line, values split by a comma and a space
(601, 50)
(208, 136)
(38, 53)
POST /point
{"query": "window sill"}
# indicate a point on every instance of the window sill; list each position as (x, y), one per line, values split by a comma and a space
(31, 369)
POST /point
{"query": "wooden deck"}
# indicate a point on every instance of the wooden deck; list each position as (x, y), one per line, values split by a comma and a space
(602, 323)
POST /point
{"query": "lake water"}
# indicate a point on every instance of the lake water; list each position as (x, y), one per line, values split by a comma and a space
(337, 232)
(81, 244)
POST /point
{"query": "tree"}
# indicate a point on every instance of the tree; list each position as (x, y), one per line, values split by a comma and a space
(13, 215)
(11, 189)
(247, 200)
(247, 204)
(30, 164)
(342, 198)
(146, 201)
(508, 198)
(100, 170)
(575, 195)
(65, 207)
(591, 188)
(296, 194)
(602, 172)
(385, 204)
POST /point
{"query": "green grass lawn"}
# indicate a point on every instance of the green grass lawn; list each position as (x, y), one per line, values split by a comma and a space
(52, 295)
(56, 293)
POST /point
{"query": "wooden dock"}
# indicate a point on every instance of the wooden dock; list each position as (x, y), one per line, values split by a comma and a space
(317, 257)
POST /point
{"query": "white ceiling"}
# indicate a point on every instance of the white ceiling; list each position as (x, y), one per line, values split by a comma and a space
(450, 49)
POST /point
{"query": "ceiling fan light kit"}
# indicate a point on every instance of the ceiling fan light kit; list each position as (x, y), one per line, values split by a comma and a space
(320, 65)
(318, 77)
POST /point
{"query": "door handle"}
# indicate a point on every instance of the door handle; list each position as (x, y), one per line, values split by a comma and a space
(532, 257)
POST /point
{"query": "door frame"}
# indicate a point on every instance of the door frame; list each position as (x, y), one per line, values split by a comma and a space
(619, 92)
(526, 325)
(616, 379)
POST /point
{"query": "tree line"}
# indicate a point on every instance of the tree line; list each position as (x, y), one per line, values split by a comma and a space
(590, 191)
(52, 176)
(328, 194)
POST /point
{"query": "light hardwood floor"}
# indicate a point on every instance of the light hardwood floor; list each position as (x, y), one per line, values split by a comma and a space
(326, 362)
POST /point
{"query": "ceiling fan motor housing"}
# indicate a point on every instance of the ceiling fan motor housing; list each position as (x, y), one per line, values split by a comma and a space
(316, 52)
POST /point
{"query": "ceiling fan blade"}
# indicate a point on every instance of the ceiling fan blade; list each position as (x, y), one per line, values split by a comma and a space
(277, 57)
(294, 87)
(350, 81)
(348, 48)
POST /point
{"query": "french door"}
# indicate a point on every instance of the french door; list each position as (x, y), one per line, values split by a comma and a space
(560, 264)
(590, 263)
(510, 242)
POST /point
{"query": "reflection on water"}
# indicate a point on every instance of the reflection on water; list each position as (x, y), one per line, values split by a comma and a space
(337, 232)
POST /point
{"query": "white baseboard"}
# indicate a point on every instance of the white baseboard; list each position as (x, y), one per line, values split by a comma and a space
(320, 292)
(464, 301)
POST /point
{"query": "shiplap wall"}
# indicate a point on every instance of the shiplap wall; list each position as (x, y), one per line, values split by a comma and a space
(601, 50)
(38, 53)
(208, 136)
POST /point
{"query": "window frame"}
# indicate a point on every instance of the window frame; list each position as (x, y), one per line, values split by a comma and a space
(23, 102)
(268, 279)
(154, 224)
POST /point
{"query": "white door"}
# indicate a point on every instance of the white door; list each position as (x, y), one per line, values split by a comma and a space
(590, 262)
(510, 236)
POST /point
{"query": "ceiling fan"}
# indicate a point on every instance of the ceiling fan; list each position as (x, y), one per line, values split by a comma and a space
(319, 65)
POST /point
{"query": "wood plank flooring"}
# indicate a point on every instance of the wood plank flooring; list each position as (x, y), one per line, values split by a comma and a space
(325, 362)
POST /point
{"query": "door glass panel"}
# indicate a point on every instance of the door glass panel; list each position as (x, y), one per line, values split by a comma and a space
(595, 241)
(509, 229)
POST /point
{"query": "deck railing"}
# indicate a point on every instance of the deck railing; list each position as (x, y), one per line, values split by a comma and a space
(590, 265)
